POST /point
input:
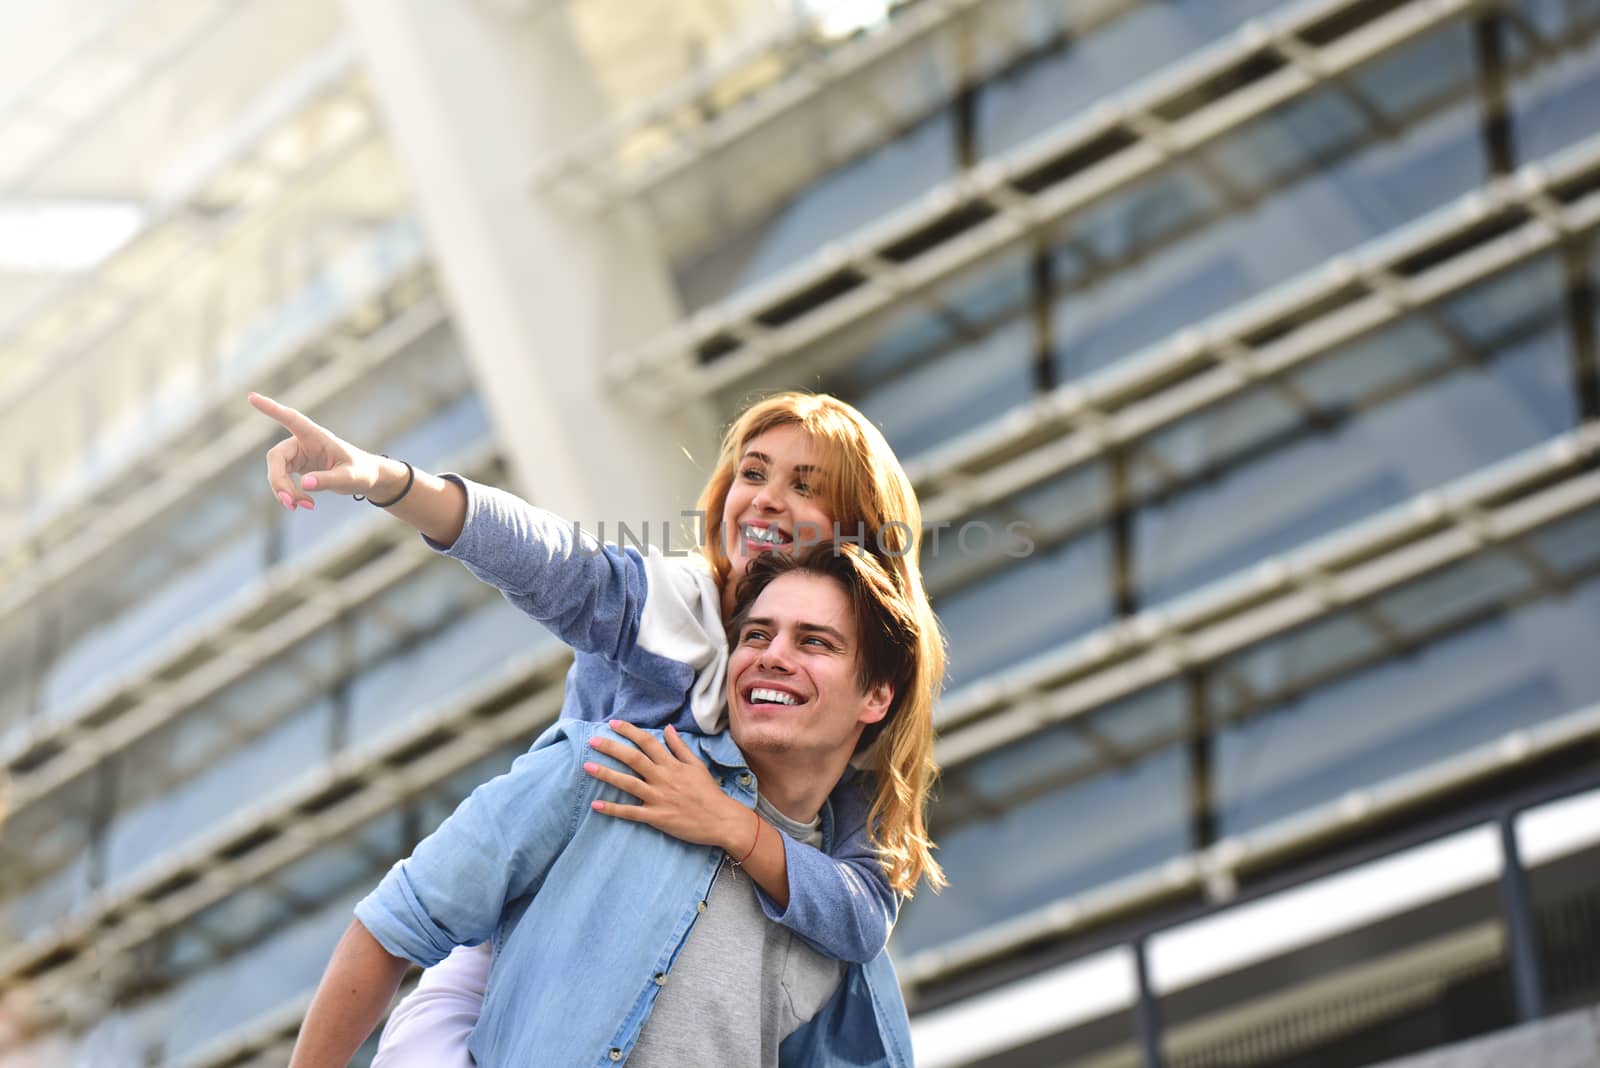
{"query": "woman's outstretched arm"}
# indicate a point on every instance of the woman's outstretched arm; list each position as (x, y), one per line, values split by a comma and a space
(326, 463)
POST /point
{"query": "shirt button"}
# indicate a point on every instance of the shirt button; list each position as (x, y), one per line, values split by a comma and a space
(661, 978)
(616, 1054)
(700, 906)
(722, 780)
(746, 779)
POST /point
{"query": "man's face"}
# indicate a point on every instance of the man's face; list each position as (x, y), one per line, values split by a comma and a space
(792, 678)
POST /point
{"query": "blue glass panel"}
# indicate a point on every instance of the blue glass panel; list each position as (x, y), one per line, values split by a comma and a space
(1299, 135)
(1436, 67)
(230, 995)
(1552, 104)
(1062, 843)
(943, 395)
(426, 676)
(858, 194)
(1318, 483)
(1056, 752)
(1287, 662)
(1255, 420)
(1329, 211)
(61, 894)
(1443, 597)
(1148, 717)
(179, 602)
(1119, 231)
(460, 426)
(1409, 351)
(1037, 603)
(1099, 326)
(1089, 66)
(1507, 671)
(245, 777)
(1556, 18)
(1569, 545)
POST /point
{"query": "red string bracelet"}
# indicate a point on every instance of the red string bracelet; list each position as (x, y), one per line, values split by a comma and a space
(752, 852)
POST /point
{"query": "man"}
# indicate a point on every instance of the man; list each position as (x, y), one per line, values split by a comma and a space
(615, 942)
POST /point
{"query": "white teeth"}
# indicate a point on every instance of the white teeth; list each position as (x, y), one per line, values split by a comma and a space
(774, 696)
(769, 535)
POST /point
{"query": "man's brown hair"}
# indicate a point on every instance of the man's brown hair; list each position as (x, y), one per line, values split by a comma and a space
(890, 641)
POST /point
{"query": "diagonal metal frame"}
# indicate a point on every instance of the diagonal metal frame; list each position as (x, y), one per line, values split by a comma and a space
(1259, 850)
(1248, 701)
(1486, 233)
(335, 360)
(1016, 196)
(1492, 507)
(330, 78)
(258, 626)
(95, 947)
(68, 129)
(610, 168)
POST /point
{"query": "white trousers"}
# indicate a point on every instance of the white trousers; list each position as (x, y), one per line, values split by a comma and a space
(429, 1028)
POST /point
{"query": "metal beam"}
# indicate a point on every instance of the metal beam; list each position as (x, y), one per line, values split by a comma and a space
(95, 948)
(260, 624)
(1492, 507)
(332, 364)
(1483, 233)
(1258, 850)
(1004, 202)
(789, 89)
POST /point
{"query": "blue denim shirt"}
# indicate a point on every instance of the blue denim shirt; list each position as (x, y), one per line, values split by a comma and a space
(587, 913)
(647, 631)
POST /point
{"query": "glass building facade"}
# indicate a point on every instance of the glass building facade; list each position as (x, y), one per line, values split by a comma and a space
(1245, 357)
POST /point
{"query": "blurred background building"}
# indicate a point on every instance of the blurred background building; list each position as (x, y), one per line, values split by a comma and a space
(1272, 323)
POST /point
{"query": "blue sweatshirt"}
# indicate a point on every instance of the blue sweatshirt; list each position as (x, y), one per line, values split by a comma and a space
(650, 649)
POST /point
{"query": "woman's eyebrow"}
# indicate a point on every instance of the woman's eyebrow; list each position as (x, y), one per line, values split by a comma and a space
(804, 469)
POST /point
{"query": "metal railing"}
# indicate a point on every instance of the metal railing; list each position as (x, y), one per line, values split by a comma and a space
(91, 956)
(1001, 202)
(1515, 914)
(1496, 507)
(283, 607)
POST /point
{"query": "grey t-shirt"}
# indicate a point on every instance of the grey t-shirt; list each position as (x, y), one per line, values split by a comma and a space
(741, 983)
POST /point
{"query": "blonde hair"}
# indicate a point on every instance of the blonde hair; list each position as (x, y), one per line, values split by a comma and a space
(866, 491)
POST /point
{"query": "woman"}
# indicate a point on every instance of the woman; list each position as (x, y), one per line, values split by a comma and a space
(794, 468)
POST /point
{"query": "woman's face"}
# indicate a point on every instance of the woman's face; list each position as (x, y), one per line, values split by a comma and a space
(774, 500)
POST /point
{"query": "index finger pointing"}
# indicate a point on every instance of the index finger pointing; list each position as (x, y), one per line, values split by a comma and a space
(290, 419)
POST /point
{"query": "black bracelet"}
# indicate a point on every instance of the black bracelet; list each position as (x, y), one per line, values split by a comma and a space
(411, 476)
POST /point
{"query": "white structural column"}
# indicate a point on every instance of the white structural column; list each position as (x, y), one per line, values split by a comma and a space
(474, 93)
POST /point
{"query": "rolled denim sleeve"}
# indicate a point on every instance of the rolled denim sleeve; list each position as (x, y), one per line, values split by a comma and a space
(589, 594)
(840, 902)
(497, 846)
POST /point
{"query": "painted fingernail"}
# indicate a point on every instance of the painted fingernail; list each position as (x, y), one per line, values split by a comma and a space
(309, 482)
(598, 806)
(285, 501)
(615, 724)
(591, 767)
(307, 504)
(595, 742)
